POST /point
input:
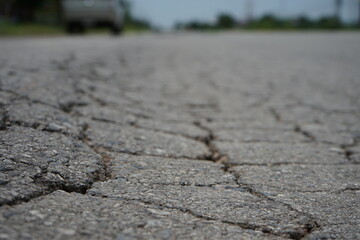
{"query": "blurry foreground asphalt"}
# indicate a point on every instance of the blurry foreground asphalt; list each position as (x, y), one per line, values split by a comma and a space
(219, 136)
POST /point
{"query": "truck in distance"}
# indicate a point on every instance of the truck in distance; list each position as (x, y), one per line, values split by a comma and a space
(80, 14)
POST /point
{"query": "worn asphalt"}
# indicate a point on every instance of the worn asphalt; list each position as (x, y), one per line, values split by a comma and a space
(180, 136)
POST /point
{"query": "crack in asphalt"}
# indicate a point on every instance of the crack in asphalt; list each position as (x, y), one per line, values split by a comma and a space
(217, 157)
(347, 153)
(214, 155)
(243, 225)
(306, 134)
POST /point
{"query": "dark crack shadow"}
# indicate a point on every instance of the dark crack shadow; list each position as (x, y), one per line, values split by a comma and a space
(218, 157)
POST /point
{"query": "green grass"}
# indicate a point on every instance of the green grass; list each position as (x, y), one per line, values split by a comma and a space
(20, 30)
(10, 29)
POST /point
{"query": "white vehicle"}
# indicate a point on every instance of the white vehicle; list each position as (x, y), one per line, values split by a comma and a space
(79, 14)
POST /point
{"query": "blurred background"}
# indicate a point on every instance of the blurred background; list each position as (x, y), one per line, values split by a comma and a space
(36, 17)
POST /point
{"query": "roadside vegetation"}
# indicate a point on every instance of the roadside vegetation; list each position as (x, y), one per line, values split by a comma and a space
(12, 29)
(268, 22)
(43, 17)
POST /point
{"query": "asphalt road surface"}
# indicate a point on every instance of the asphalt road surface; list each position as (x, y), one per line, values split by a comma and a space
(181, 136)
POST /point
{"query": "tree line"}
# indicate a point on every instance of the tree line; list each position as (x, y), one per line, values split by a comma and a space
(266, 22)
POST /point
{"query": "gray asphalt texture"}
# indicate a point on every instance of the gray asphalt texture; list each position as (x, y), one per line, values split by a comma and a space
(181, 136)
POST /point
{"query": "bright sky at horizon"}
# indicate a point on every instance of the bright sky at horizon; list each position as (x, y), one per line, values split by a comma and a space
(165, 13)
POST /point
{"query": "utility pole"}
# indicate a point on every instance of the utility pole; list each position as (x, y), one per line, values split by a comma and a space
(359, 14)
(338, 5)
(249, 11)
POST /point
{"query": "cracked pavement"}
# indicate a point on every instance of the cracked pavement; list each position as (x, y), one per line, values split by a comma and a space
(181, 136)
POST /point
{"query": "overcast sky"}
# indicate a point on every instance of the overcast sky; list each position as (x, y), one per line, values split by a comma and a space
(165, 13)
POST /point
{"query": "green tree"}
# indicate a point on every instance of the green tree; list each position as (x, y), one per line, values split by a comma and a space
(6, 7)
(303, 22)
(132, 21)
(127, 6)
(268, 21)
(24, 10)
(329, 23)
(225, 21)
(20, 10)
